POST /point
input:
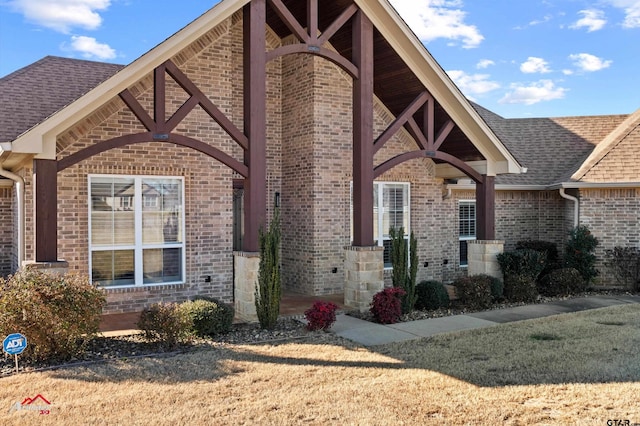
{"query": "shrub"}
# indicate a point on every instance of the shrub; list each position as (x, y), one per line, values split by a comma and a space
(431, 295)
(387, 305)
(165, 323)
(624, 262)
(520, 288)
(474, 292)
(269, 288)
(578, 252)
(548, 248)
(404, 269)
(526, 262)
(208, 316)
(321, 315)
(59, 314)
(562, 282)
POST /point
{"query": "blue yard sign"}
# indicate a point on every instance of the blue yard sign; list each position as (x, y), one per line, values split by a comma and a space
(14, 344)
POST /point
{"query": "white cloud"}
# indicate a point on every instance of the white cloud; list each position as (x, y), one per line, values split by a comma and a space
(567, 72)
(534, 65)
(473, 84)
(484, 63)
(90, 48)
(62, 15)
(433, 19)
(589, 63)
(592, 19)
(535, 22)
(543, 90)
(631, 10)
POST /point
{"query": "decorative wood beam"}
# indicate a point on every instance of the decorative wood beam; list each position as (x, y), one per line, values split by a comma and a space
(136, 138)
(181, 113)
(332, 56)
(159, 98)
(289, 20)
(206, 104)
(442, 134)
(363, 132)
(312, 21)
(400, 121)
(255, 121)
(485, 206)
(337, 24)
(437, 155)
(429, 121)
(45, 180)
(137, 110)
(414, 130)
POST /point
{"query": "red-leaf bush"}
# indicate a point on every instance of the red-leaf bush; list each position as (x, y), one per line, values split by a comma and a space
(321, 315)
(387, 305)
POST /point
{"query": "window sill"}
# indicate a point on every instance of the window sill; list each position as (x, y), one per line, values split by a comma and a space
(144, 287)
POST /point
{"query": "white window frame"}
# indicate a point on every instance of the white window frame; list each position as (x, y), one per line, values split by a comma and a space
(379, 187)
(466, 237)
(138, 247)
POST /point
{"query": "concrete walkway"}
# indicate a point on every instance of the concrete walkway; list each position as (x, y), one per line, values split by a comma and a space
(371, 334)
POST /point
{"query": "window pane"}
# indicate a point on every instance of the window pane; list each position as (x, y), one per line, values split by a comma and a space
(161, 211)
(112, 216)
(113, 267)
(396, 209)
(162, 265)
(467, 219)
(463, 253)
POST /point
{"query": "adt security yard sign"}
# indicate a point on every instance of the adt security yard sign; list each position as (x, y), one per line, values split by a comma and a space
(14, 344)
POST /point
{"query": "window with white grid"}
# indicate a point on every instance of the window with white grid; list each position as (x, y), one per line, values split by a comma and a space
(466, 227)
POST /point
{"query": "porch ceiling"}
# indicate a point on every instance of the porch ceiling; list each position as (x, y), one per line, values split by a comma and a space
(394, 82)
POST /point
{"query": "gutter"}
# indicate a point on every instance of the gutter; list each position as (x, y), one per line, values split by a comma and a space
(576, 206)
(19, 182)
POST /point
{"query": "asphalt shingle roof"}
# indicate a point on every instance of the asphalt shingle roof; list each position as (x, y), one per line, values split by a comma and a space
(552, 149)
(31, 94)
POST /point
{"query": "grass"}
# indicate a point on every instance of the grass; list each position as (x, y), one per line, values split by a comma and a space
(588, 373)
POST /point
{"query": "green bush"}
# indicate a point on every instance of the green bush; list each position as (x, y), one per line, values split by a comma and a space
(431, 295)
(562, 282)
(548, 248)
(579, 250)
(166, 323)
(473, 292)
(624, 262)
(269, 288)
(208, 316)
(496, 285)
(58, 314)
(520, 288)
(526, 262)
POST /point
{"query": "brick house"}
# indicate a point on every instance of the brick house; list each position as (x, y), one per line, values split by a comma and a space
(154, 178)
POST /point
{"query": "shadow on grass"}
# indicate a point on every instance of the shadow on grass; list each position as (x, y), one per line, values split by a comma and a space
(209, 363)
(599, 346)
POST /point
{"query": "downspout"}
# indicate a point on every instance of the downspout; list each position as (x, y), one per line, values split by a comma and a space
(576, 208)
(20, 194)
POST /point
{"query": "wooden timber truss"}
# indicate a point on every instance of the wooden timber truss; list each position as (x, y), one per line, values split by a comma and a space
(252, 138)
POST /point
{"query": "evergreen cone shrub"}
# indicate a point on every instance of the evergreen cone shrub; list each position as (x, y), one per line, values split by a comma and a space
(269, 289)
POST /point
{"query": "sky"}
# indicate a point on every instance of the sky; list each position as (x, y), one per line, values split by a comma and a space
(518, 58)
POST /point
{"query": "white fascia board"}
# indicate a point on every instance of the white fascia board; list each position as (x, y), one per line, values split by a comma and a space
(41, 139)
(447, 171)
(595, 185)
(433, 77)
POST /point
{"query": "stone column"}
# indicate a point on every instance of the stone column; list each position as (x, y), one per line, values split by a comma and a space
(364, 275)
(245, 279)
(481, 256)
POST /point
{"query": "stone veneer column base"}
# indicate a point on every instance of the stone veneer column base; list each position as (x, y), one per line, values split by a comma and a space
(481, 257)
(364, 275)
(60, 267)
(245, 280)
